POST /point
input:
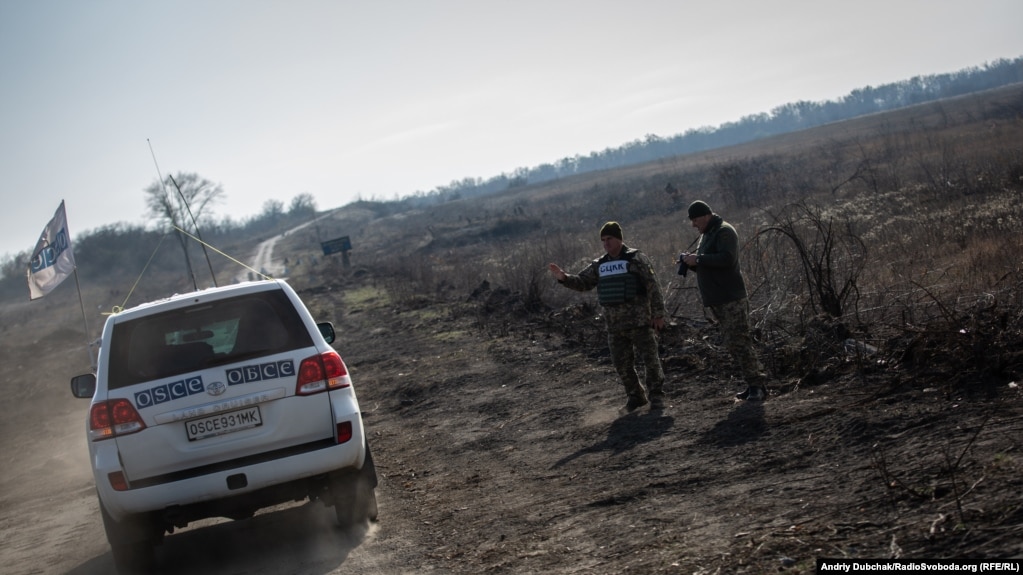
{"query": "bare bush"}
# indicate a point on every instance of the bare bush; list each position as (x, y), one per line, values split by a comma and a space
(831, 259)
(940, 207)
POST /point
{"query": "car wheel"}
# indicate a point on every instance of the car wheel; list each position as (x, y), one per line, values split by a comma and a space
(132, 558)
(355, 502)
(354, 495)
(131, 543)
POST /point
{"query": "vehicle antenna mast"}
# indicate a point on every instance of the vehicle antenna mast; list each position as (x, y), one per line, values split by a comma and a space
(196, 226)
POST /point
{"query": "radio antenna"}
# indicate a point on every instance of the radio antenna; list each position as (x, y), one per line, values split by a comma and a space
(196, 226)
(184, 247)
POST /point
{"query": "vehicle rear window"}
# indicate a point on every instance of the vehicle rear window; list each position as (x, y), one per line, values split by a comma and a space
(204, 335)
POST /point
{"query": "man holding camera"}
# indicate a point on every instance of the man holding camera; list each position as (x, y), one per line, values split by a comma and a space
(723, 290)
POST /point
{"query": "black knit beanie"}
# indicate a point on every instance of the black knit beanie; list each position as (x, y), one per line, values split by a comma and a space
(698, 208)
(612, 229)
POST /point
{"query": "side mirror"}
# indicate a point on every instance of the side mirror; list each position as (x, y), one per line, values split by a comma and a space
(83, 386)
(327, 331)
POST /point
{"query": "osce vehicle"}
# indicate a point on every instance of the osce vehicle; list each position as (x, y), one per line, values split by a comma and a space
(218, 403)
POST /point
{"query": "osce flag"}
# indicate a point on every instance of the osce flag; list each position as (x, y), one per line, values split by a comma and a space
(52, 260)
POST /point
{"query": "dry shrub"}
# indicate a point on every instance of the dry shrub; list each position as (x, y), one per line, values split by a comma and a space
(868, 245)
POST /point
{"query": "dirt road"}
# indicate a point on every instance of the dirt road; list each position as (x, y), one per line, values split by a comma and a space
(504, 452)
(262, 261)
(50, 520)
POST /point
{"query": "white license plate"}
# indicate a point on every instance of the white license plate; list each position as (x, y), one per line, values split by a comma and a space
(223, 423)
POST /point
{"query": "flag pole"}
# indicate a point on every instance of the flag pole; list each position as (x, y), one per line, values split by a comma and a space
(85, 321)
(81, 302)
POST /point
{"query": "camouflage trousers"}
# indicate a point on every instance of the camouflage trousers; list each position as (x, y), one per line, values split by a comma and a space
(733, 317)
(625, 345)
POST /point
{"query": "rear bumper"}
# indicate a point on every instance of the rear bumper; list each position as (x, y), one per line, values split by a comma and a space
(231, 480)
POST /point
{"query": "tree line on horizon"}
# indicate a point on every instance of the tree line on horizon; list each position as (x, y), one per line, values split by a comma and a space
(783, 119)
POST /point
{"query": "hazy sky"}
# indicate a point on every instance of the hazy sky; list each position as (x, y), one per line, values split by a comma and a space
(347, 99)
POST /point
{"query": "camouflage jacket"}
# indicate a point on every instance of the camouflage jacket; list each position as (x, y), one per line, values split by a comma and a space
(636, 313)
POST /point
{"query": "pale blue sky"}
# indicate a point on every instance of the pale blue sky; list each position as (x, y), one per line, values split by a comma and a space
(345, 99)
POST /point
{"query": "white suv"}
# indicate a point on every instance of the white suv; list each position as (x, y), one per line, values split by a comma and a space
(218, 403)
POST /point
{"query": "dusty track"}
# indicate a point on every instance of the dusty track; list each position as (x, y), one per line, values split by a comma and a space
(506, 453)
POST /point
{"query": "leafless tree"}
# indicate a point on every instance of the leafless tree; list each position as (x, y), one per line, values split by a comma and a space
(180, 203)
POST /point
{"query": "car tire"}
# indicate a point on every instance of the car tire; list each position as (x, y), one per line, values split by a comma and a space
(131, 543)
(354, 495)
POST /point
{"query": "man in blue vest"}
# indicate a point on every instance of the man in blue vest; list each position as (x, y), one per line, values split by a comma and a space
(628, 291)
(723, 290)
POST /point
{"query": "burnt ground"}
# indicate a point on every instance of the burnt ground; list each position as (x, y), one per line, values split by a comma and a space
(502, 449)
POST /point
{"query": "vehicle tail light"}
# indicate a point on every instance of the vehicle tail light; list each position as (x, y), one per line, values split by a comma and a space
(322, 372)
(112, 418)
(118, 481)
(344, 431)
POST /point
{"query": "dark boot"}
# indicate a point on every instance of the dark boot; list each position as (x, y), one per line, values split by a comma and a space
(656, 400)
(635, 402)
(752, 393)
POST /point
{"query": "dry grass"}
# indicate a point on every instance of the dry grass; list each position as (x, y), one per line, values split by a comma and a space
(915, 214)
(934, 193)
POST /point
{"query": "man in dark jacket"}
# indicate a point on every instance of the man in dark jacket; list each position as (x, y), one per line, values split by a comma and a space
(723, 290)
(633, 308)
